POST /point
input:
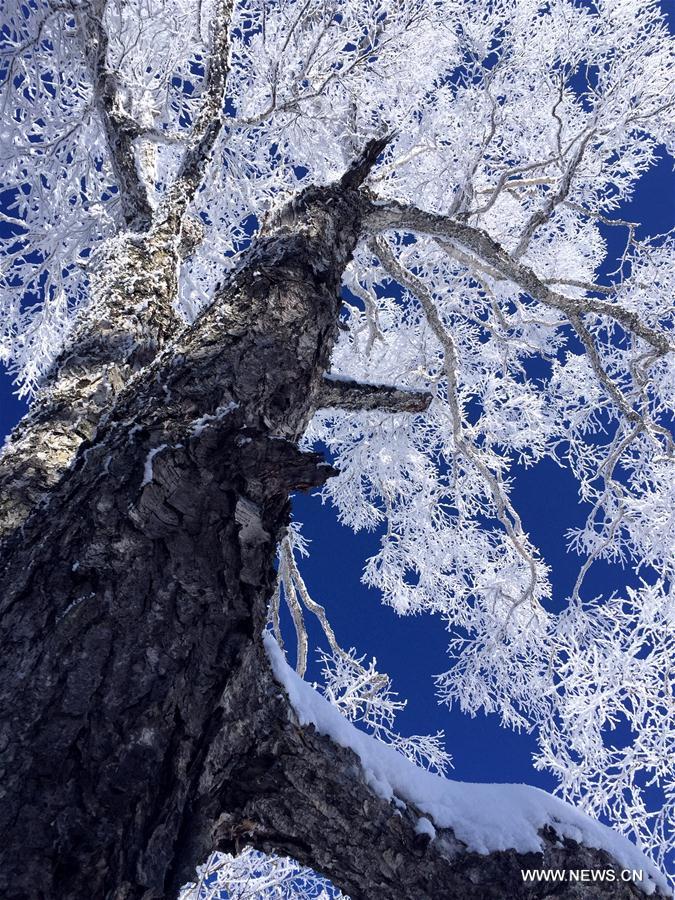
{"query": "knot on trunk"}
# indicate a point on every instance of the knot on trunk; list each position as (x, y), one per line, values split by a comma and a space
(274, 466)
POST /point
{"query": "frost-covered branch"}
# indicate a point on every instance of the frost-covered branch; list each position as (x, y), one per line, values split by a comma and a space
(506, 513)
(360, 692)
(120, 127)
(384, 215)
(251, 875)
(209, 118)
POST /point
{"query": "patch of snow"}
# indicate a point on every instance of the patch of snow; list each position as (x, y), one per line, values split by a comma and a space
(198, 425)
(486, 817)
(147, 467)
(73, 604)
(424, 826)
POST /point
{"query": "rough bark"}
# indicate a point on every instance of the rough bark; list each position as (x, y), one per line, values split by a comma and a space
(130, 318)
(349, 394)
(128, 598)
(140, 725)
(293, 791)
(133, 282)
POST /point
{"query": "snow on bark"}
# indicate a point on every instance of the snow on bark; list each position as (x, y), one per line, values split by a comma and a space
(485, 817)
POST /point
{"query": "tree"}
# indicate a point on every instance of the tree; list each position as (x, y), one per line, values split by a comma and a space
(188, 189)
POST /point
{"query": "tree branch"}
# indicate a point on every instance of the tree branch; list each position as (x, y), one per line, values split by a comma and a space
(359, 170)
(134, 284)
(295, 791)
(209, 122)
(381, 215)
(543, 215)
(506, 513)
(354, 395)
(120, 129)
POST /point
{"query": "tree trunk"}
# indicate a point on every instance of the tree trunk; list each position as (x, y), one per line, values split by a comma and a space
(140, 724)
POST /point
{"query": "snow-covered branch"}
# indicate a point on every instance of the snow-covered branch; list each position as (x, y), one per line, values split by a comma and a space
(385, 215)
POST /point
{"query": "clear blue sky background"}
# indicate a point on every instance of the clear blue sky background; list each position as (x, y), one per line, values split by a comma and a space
(413, 649)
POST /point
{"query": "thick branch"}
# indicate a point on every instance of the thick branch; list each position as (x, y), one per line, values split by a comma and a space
(353, 395)
(120, 129)
(295, 791)
(134, 286)
(382, 215)
(359, 170)
(130, 318)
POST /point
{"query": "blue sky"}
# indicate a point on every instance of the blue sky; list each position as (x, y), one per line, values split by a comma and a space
(413, 649)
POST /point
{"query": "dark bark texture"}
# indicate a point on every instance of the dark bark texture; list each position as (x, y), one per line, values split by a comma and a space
(140, 724)
(129, 320)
